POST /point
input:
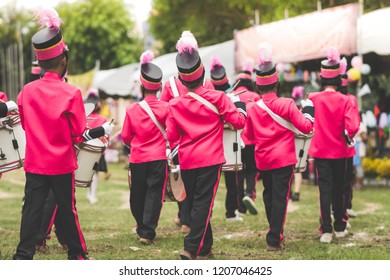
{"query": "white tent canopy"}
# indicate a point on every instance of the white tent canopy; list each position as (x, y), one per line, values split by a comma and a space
(120, 82)
(373, 32)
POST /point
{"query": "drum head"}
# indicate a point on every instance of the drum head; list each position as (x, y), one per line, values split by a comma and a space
(89, 107)
(95, 143)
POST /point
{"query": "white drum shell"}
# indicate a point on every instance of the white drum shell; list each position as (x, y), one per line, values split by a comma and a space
(13, 158)
(302, 145)
(88, 155)
(232, 149)
(175, 187)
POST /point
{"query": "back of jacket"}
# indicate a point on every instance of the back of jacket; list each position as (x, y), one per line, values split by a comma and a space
(275, 147)
(334, 114)
(53, 116)
(199, 129)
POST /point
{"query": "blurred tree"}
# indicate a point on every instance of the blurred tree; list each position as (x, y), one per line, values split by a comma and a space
(16, 30)
(99, 30)
(215, 21)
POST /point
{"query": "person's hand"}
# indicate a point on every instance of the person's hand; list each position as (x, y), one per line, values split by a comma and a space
(11, 105)
(307, 102)
(233, 98)
(108, 127)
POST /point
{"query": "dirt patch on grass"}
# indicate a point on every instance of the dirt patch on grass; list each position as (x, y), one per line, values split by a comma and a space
(292, 207)
(6, 195)
(370, 208)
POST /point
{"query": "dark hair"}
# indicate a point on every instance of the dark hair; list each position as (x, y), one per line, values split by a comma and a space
(52, 63)
(247, 83)
(343, 90)
(193, 84)
(268, 88)
(331, 82)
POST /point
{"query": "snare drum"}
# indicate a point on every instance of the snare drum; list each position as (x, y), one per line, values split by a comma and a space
(12, 143)
(302, 144)
(88, 156)
(175, 187)
(232, 149)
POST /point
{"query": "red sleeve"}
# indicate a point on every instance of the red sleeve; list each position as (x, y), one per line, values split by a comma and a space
(351, 122)
(166, 93)
(77, 118)
(229, 112)
(173, 132)
(127, 131)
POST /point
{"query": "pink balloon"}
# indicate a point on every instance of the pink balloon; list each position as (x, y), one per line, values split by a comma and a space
(357, 62)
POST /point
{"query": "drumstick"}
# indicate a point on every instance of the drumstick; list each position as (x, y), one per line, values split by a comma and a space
(234, 86)
(238, 93)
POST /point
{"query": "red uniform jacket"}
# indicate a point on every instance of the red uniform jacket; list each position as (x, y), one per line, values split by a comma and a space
(334, 113)
(247, 97)
(95, 120)
(139, 132)
(199, 129)
(167, 93)
(351, 151)
(275, 147)
(53, 117)
(3, 96)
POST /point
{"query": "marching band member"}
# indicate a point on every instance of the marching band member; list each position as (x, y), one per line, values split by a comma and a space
(36, 71)
(245, 89)
(350, 150)
(275, 148)
(174, 88)
(199, 130)
(95, 120)
(148, 160)
(335, 124)
(53, 117)
(220, 82)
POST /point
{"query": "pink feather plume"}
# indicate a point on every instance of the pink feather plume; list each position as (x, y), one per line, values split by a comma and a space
(297, 92)
(343, 66)
(333, 54)
(47, 17)
(215, 62)
(187, 43)
(265, 53)
(147, 56)
(248, 66)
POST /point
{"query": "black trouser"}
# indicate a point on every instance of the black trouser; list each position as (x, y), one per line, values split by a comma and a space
(49, 217)
(276, 194)
(201, 185)
(348, 186)
(148, 184)
(331, 174)
(231, 201)
(36, 192)
(249, 176)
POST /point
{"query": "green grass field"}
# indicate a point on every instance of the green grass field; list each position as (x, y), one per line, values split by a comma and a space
(108, 226)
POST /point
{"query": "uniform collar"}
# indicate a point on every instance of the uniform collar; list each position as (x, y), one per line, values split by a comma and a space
(150, 97)
(269, 96)
(52, 76)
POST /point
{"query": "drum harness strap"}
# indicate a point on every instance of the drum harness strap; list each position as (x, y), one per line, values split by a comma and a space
(173, 86)
(283, 123)
(278, 118)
